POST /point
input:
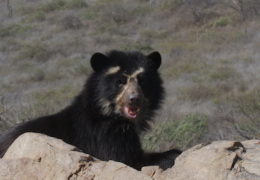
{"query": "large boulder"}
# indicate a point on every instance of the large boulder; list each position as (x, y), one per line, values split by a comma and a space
(38, 157)
(219, 160)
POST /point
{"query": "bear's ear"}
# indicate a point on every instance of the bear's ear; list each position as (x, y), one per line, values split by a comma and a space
(99, 61)
(155, 59)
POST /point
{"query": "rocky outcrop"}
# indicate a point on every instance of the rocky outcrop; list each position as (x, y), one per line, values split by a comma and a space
(219, 160)
(39, 157)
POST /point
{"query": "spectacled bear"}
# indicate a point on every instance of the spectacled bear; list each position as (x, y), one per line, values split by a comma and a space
(117, 102)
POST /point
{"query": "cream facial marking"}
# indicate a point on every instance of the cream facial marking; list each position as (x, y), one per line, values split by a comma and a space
(122, 92)
(105, 105)
(132, 76)
(113, 70)
(131, 84)
(137, 72)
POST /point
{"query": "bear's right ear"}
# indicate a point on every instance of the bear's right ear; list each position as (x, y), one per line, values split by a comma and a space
(99, 61)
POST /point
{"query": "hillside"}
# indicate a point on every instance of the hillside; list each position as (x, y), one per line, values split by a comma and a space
(210, 49)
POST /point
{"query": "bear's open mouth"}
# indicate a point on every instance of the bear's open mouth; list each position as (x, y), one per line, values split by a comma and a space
(131, 112)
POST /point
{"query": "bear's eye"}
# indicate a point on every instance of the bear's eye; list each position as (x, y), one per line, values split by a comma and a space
(121, 81)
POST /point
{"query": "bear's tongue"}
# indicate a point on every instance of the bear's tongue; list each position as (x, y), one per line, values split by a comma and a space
(131, 112)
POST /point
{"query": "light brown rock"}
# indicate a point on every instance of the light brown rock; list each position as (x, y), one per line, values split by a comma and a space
(39, 157)
(153, 171)
(220, 160)
(35, 156)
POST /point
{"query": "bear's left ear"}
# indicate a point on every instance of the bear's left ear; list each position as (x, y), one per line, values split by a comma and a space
(99, 61)
(155, 59)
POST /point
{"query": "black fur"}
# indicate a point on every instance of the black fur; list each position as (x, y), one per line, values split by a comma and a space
(108, 136)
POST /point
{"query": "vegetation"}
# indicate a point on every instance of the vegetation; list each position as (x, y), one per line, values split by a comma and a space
(34, 50)
(210, 52)
(183, 133)
(248, 105)
(13, 29)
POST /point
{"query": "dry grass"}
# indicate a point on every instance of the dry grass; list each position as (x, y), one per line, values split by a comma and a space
(183, 133)
(210, 61)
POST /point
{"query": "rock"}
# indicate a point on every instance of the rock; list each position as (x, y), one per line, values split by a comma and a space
(153, 171)
(35, 156)
(39, 157)
(219, 160)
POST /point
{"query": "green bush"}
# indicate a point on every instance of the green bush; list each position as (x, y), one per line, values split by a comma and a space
(38, 75)
(34, 50)
(53, 5)
(171, 4)
(222, 21)
(182, 133)
(62, 4)
(248, 106)
(13, 29)
(38, 16)
(76, 4)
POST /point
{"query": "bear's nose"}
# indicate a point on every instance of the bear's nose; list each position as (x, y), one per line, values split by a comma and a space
(134, 98)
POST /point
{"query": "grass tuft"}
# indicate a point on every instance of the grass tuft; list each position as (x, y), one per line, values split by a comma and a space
(51, 100)
(13, 30)
(53, 5)
(248, 106)
(34, 50)
(222, 21)
(182, 133)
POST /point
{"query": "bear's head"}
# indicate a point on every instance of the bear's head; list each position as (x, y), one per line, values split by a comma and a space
(126, 85)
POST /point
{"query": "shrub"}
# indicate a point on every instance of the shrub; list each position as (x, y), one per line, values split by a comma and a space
(35, 50)
(38, 75)
(53, 5)
(13, 29)
(62, 4)
(182, 133)
(172, 4)
(38, 16)
(222, 21)
(76, 4)
(248, 106)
